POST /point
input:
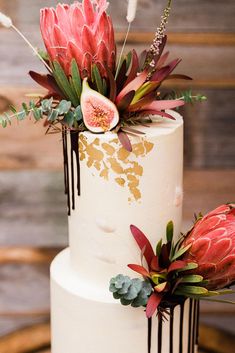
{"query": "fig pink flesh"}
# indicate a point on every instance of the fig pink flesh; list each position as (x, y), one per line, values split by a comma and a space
(96, 115)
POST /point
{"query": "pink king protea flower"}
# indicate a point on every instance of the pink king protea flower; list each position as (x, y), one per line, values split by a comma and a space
(213, 247)
(81, 31)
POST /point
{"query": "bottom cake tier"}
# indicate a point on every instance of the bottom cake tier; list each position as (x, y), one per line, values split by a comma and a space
(86, 319)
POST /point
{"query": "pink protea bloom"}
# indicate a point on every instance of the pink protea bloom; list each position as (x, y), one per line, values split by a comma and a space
(213, 247)
(81, 31)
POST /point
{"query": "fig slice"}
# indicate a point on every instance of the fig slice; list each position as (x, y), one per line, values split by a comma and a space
(99, 113)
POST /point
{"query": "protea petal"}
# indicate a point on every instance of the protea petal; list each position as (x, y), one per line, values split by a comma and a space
(88, 43)
(88, 11)
(87, 27)
(213, 247)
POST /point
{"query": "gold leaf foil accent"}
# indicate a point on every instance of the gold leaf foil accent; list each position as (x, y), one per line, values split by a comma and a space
(112, 158)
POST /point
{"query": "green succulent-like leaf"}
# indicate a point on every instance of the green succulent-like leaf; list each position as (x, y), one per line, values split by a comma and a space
(64, 83)
(159, 248)
(96, 77)
(169, 231)
(191, 290)
(192, 279)
(180, 252)
(76, 78)
(189, 266)
(156, 278)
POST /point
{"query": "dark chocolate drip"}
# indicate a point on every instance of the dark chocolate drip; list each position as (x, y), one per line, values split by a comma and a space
(197, 320)
(171, 328)
(149, 334)
(74, 136)
(194, 326)
(181, 327)
(66, 169)
(159, 343)
(190, 325)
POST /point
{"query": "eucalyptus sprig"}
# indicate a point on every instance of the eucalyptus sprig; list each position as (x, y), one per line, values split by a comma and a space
(53, 111)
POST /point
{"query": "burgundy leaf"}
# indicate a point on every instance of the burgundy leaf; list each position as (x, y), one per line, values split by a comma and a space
(142, 58)
(142, 241)
(163, 104)
(125, 141)
(155, 264)
(157, 112)
(164, 257)
(152, 305)
(134, 68)
(139, 269)
(165, 71)
(112, 85)
(125, 101)
(176, 265)
(133, 85)
(162, 60)
(178, 77)
(121, 77)
(42, 80)
(161, 48)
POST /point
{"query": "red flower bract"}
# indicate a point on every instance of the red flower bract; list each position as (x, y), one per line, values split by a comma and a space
(81, 31)
(213, 247)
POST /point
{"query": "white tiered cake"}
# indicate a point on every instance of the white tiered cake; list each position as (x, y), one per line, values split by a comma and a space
(118, 188)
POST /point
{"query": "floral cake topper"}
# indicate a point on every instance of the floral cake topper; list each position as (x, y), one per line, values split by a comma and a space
(200, 265)
(87, 87)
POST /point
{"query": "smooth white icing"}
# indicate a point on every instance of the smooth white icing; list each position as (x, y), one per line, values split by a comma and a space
(86, 319)
(99, 227)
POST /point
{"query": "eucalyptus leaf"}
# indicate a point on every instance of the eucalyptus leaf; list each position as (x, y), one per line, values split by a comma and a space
(53, 115)
(63, 107)
(37, 113)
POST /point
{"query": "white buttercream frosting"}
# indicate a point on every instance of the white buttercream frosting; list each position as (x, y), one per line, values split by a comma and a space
(118, 189)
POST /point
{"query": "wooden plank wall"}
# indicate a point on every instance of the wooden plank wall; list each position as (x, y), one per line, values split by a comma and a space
(32, 207)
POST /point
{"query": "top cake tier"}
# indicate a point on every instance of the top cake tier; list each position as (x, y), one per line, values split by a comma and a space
(120, 188)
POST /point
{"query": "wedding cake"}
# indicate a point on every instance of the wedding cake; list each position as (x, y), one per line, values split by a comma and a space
(123, 163)
(117, 188)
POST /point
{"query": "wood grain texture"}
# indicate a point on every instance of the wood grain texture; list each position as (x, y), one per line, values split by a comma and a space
(200, 15)
(37, 339)
(28, 339)
(183, 38)
(27, 255)
(215, 340)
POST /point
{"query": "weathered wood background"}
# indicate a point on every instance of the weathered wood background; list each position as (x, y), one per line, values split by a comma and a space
(32, 204)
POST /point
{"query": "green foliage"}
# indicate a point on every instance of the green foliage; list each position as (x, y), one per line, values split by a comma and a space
(188, 96)
(54, 112)
(76, 79)
(134, 292)
(64, 84)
